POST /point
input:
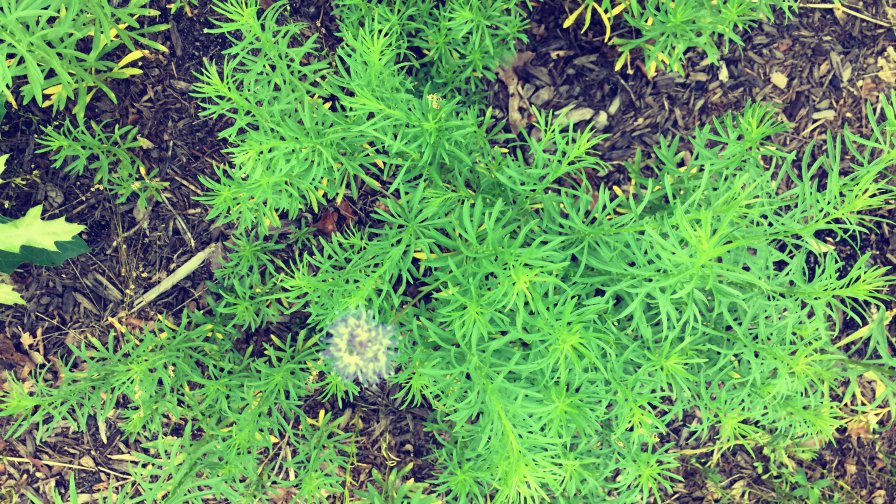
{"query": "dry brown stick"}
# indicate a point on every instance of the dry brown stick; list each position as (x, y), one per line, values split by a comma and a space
(171, 280)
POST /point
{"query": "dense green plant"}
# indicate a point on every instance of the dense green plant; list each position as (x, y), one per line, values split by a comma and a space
(309, 132)
(666, 30)
(211, 420)
(76, 148)
(556, 329)
(59, 48)
(565, 330)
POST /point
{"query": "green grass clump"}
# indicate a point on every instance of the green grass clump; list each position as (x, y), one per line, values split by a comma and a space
(556, 330)
(666, 31)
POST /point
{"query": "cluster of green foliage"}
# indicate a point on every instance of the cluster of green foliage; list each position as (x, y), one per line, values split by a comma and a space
(665, 30)
(60, 48)
(76, 148)
(555, 329)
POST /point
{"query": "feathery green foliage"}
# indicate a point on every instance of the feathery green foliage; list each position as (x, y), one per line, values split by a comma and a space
(556, 330)
(60, 47)
(76, 148)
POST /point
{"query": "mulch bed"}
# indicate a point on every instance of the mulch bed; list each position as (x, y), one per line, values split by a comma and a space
(831, 66)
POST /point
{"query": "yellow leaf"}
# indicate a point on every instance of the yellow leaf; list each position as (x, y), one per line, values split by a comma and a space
(130, 58)
(144, 143)
(620, 61)
(126, 457)
(572, 17)
(424, 255)
(865, 331)
(52, 90)
(819, 247)
(587, 20)
(606, 20)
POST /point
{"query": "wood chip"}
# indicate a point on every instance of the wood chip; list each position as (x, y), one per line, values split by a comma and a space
(614, 105)
(824, 114)
(779, 80)
(577, 115)
(601, 121)
(723, 72)
(542, 96)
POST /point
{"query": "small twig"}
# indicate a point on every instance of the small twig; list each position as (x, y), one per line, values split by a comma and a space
(175, 277)
(180, 223)
(141, 223)
(62, 464)
(838, 6)
(627, 88)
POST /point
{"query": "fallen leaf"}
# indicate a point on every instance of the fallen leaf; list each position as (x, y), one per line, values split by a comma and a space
(860, 426)
(779, 80)
(514, 117)
(327, 223)
(145, 143)
(86, 461)
(346, 210)
(542, 96)
(839, 13)
(9, 353)
(135, 324)
(40, 466)
(867, 88)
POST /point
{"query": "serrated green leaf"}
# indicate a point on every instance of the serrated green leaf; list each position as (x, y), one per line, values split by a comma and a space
(66, 250)
(8, 296)
(30, 230)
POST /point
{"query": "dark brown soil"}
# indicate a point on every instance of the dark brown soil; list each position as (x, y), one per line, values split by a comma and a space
(833, 66)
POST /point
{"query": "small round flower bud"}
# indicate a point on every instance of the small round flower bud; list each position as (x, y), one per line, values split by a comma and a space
(359, 348)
